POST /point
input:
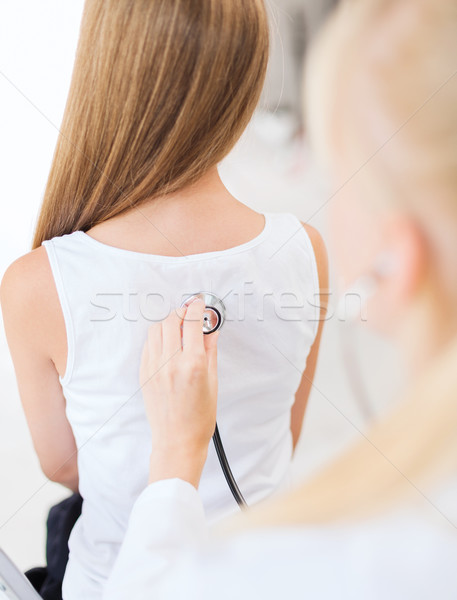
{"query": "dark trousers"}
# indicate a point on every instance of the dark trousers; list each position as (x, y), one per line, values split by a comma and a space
(48, 580)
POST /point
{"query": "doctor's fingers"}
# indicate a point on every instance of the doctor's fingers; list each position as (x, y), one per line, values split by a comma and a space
(172, 335)
(192, 330)
(210, 344)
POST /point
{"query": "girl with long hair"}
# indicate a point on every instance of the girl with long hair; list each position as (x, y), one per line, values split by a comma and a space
(134, 220)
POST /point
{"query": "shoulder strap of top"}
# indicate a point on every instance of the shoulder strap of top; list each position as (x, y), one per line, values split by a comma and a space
(65, 305)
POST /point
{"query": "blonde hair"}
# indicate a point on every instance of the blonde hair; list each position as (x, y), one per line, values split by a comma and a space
(160, 93)
(398, 56)
(416, 444)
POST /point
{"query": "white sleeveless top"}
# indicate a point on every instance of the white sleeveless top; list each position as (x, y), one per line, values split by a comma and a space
(109, 298)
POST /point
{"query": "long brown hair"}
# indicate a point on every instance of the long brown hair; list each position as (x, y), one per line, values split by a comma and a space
(161, 91)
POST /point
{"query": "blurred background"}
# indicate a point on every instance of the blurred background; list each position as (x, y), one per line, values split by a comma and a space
(271, 169)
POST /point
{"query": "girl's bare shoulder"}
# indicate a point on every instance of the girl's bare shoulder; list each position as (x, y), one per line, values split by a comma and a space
(29, 300)
(28, 279)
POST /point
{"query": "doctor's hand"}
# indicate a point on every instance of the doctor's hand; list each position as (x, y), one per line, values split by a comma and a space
(178, 376)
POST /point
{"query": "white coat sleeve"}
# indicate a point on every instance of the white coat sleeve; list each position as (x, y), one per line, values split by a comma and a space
(166, 520)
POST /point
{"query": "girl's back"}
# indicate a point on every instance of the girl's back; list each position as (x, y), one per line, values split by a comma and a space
(109, 296)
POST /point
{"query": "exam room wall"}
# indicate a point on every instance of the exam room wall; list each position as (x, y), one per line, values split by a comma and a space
(268, 171)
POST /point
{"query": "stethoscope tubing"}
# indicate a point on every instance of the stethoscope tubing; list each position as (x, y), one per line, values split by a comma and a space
(225, 466)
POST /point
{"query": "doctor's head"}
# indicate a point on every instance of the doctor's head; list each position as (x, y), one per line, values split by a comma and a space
(382, 98)
(160, 93)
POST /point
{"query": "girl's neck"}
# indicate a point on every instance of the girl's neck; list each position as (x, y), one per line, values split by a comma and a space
(206, 189)
(204, 217)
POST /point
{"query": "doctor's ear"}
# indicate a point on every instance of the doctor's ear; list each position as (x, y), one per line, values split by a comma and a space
(400, 270)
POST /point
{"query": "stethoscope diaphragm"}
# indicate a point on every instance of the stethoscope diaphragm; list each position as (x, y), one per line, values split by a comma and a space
(214, 315)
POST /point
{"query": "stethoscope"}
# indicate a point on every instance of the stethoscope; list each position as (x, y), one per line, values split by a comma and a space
(213, 320)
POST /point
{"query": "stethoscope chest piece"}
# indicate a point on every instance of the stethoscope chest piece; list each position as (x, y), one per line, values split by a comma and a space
(214, 315)
(213, 319)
